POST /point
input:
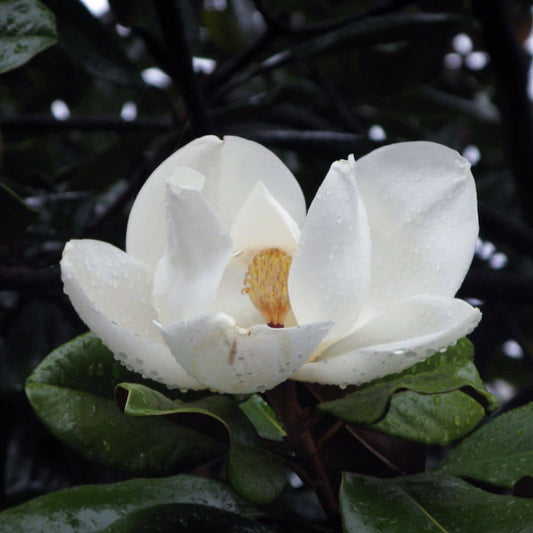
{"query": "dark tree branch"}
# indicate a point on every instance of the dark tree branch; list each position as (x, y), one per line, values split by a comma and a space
(309, 30)
(47, 124)
(510, 66)
(180, 61)
(226, 72)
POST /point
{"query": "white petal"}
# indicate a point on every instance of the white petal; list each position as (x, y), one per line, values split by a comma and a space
(231, 168)
(421, 205)
(198, 250)
(402, 335)
(330, 270)
(240, 361)
(146, 233)
(111, 292)
(262, 223)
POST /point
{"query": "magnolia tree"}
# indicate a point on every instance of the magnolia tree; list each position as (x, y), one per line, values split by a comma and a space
(255, 361)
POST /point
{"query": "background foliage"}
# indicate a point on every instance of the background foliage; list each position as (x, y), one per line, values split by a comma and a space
(90, 105)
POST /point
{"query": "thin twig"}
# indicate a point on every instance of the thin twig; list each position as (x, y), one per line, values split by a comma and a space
(329, 433)
(226, 72)
(351, 430)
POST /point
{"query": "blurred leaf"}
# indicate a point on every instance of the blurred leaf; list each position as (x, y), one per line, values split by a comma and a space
(263, 417)
(429, 503)
(26, 28)
(171, 518)
(500, 452)
(430, 418)
(397, 404)
(91, 508)
(71, 391)
(89, 43)
(15, 215)
(254, 472)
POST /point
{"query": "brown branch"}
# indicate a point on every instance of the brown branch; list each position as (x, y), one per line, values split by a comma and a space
(284, 400)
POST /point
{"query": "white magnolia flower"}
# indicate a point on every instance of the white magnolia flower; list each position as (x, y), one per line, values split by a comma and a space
(227, 284)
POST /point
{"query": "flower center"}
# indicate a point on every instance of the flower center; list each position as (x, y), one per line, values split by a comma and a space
(266, 285)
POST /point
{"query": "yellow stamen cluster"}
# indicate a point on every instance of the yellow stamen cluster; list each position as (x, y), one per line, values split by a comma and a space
(266, 285)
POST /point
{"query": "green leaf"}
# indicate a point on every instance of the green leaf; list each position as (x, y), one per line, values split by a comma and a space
(26, 28)
(92, 508)
(430, 503)
(432, 418)
(500, 452)
(172, 518)
(91, 45)
(263, 417)
(72, 392)
(253, 471)
(15, 216)
(388, 404)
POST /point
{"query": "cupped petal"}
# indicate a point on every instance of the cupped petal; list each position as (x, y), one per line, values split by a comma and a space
(420, 200)
(240, 361)
(262, 222)
(404, 334)
(112, 294)
(243, 164)
(231, 168)
(146, 232)
(198, 250)
(330, 270)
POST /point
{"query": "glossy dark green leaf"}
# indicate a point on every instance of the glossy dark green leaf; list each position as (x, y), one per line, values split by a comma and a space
(431, 418)
(15, 215)
(428, 504)
(443, 372)
(92, 508)
(253, 471)
(26, 28)
(263, 417)
(91, 45)
(72, 393)
(500, 452)
(428, 402)
(172, 518)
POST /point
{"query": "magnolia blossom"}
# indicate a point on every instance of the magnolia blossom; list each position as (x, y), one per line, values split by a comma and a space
(228, 284)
